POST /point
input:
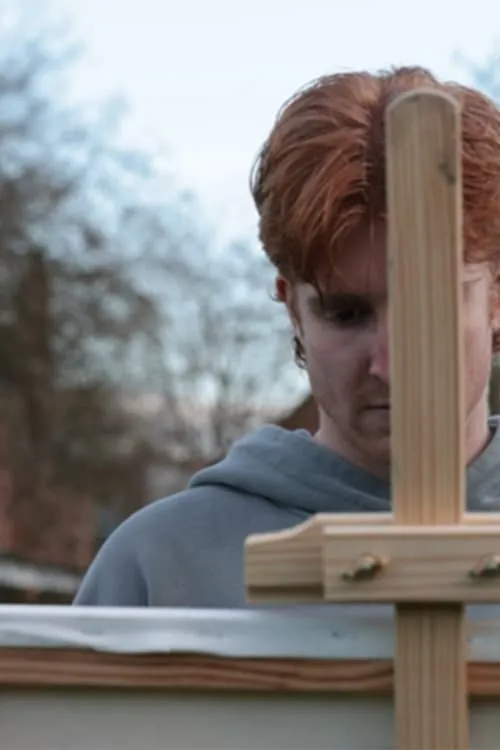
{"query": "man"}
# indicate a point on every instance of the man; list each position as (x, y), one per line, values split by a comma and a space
(319, 190)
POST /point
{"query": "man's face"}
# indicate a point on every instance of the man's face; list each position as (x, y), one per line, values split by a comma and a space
(345, 342)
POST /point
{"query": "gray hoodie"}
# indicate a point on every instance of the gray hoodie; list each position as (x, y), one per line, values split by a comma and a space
(187, 550)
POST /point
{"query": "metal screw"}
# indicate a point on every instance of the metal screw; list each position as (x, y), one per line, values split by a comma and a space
(363, 569)
(488, 567)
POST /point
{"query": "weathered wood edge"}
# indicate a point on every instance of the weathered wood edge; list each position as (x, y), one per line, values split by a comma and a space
(25, 668)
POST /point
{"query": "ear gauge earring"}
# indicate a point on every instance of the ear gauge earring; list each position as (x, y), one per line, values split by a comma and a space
(495, 341)
(298, 352)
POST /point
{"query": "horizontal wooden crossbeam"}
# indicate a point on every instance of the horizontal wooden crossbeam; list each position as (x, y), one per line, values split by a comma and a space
(456, 564)
(287, 566)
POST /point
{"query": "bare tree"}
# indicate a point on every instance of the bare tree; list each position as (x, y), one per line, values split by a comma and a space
(112, 298)
(78, 325)
(230, 364)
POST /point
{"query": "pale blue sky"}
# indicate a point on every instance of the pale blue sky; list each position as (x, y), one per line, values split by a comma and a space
(205, 78)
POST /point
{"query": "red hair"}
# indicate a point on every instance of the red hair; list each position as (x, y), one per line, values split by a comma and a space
(321, 173)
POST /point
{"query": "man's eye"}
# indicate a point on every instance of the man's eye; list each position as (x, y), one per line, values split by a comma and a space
(351, 316)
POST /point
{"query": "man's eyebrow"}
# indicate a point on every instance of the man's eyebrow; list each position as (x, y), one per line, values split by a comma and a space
(337, 299)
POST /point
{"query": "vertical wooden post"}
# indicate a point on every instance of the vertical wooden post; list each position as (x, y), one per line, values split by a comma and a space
(428, 462)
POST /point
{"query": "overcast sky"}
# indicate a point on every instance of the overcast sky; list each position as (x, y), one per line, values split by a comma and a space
(204, 78)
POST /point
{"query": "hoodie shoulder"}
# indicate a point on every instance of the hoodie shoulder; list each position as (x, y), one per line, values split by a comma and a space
(121, 572)
(183, 550)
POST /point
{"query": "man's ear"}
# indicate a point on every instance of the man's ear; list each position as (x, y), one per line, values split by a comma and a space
(283, 291)
(286, 293)
(495, 311)
(495, 305)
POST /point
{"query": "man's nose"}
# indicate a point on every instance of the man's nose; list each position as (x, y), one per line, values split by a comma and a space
(379, 365)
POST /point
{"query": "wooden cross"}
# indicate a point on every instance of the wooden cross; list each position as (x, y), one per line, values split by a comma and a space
(429, 557)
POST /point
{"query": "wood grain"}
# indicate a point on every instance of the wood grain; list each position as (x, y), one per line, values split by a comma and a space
(426, 321)
(287, 566)
(424, 190)
(74, 668)
(419, 563)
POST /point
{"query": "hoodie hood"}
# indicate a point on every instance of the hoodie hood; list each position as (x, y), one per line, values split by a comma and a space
(291, 469)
